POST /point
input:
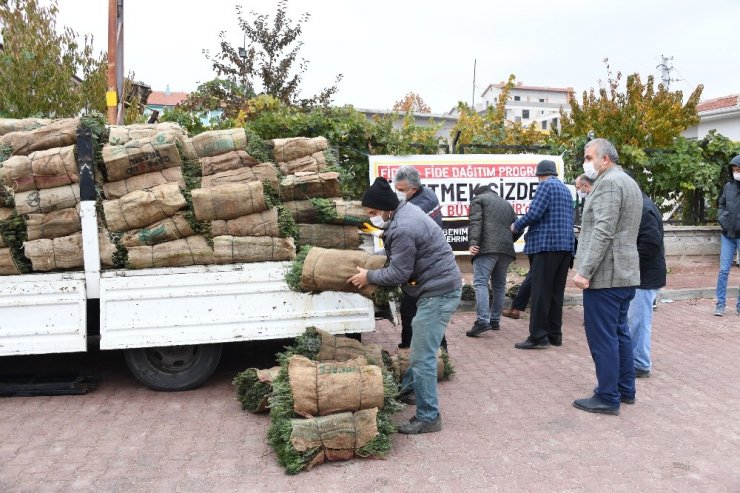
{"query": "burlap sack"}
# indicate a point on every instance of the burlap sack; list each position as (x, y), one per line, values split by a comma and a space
(238, 249)
(122, 162)
(340, 348)
(58, 253)
(217, 142)
(168, 229)
(188, 151)
(143, 207)
(59, 133)
(323, 388)
(7, 265)
(193, 250)
(259, 224)
(314, 163)
(5, 213)
(8, 125)
(47, 200)
(55, 224)
(328, 270)
(343, 212)
(228, 201)
(338, 436)
(400, 364)
(120, 135)
(329, 236)
(226, 161)
(262, 172)
(253, 396)
(297, 147)
(106, 249)
(302, 186)
(41, 169)
(117, 189)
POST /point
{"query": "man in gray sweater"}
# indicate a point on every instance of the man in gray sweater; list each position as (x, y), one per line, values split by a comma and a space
(492, 250)
(422, 262)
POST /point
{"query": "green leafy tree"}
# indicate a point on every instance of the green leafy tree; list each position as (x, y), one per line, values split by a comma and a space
(39, 67)
(215, 94)
(269, 64)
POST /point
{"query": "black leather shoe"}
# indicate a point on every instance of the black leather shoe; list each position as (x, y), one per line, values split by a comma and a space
(627, 400)
(596, 405)
(478, 329)
(530, 344)
(555, 341)
(495, 326)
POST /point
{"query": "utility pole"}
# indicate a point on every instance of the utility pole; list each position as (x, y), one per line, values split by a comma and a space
(114, 96)
(475, 61)
(665, 71)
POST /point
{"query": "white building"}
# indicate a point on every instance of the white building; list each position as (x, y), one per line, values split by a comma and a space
(720, 114)
(446, 122)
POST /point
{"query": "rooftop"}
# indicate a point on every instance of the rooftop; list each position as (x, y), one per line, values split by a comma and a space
(723, 102)
(520, 86)
(166, 98)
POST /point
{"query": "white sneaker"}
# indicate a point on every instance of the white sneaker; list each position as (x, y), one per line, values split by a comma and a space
(719, 311)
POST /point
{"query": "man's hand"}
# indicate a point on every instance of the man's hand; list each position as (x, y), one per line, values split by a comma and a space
(474, 250)
(359, 280)
(580, 281)
(371, 230)
(513, 229)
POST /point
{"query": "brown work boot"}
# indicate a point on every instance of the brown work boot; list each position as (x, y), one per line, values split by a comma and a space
(510, 313)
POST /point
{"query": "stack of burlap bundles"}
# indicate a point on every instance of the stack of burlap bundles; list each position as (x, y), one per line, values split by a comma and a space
(328, 270)
(58, 133)
(48, 168)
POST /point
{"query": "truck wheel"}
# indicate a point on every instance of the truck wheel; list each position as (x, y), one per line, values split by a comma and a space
(173, 368)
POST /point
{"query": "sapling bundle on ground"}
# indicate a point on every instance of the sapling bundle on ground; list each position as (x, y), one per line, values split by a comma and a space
(264, 172)
(285, 150)
(143, 207)
(238, 249)
(40, 169)
(59, 133)
(303, 186)
(253, 386)
(329, 236)
(193, 250)
(8, 125)
(300, 444)
(168, 229)
(400, 364)
(63, 222)
(117, 189)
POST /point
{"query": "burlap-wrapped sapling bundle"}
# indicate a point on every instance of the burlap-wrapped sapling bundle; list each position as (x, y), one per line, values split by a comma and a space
(59, 133)
(285, 150)
(226, 162)
(253, 386)
(263, 223)
(327, 211)
(120, 135)
(314, 163)
(264, 172)
(329, 236)
(117, 189)
(143, 207)
(228, 201)
(323, 269)
(41, 169)
(303, 186)
(55, 224)
(193, 250)
(400, 364)
(8, 125)
(139, 157)
(340, 348)
(7, 264)
(168, 229)
(215, 142)
(47, 199)
(46, 254)
(238, 249)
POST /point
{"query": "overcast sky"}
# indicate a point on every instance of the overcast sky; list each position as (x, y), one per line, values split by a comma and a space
(386, 48)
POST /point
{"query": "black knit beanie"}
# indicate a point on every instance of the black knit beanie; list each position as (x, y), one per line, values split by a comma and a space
(380, 196)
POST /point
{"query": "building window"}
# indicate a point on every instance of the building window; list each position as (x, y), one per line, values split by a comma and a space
(517, 98)
(518, 119)
(544, 124)
(525, 114)
(542, 100)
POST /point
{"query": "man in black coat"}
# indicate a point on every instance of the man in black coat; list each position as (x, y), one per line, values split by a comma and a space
(729, 220)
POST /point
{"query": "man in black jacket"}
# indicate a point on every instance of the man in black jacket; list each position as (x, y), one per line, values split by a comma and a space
(492, 250)
(652, 278)
(729, 219)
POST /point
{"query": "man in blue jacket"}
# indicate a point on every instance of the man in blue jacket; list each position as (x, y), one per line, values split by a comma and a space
(421, 261)
(549, 241)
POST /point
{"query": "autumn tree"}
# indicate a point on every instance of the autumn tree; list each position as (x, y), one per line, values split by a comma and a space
(43, 72)
(411, 102)
(269, 62)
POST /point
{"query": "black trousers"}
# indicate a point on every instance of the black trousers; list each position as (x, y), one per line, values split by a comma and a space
(521, 300)
(408, 312)
(549, 273)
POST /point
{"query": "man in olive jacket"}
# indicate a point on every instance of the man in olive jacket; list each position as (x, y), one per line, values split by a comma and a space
(492, 250)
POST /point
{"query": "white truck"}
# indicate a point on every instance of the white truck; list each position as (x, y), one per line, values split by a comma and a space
(170, 322)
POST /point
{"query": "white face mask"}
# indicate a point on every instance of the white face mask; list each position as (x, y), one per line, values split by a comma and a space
(401, 195)
(736, 175)
(589, 170)
(582, 194)
(377, 221)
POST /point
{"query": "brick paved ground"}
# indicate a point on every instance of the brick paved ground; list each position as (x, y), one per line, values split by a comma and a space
(509, 423)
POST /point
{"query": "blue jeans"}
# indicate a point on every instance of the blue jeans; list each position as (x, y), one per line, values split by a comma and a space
(608, 336)
(432, 316)
(728, 249)
(494, 267)
(640, 320)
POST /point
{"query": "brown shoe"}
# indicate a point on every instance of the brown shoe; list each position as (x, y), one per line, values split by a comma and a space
(510, 313)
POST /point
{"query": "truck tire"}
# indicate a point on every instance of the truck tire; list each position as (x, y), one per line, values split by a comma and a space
(173, 368)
